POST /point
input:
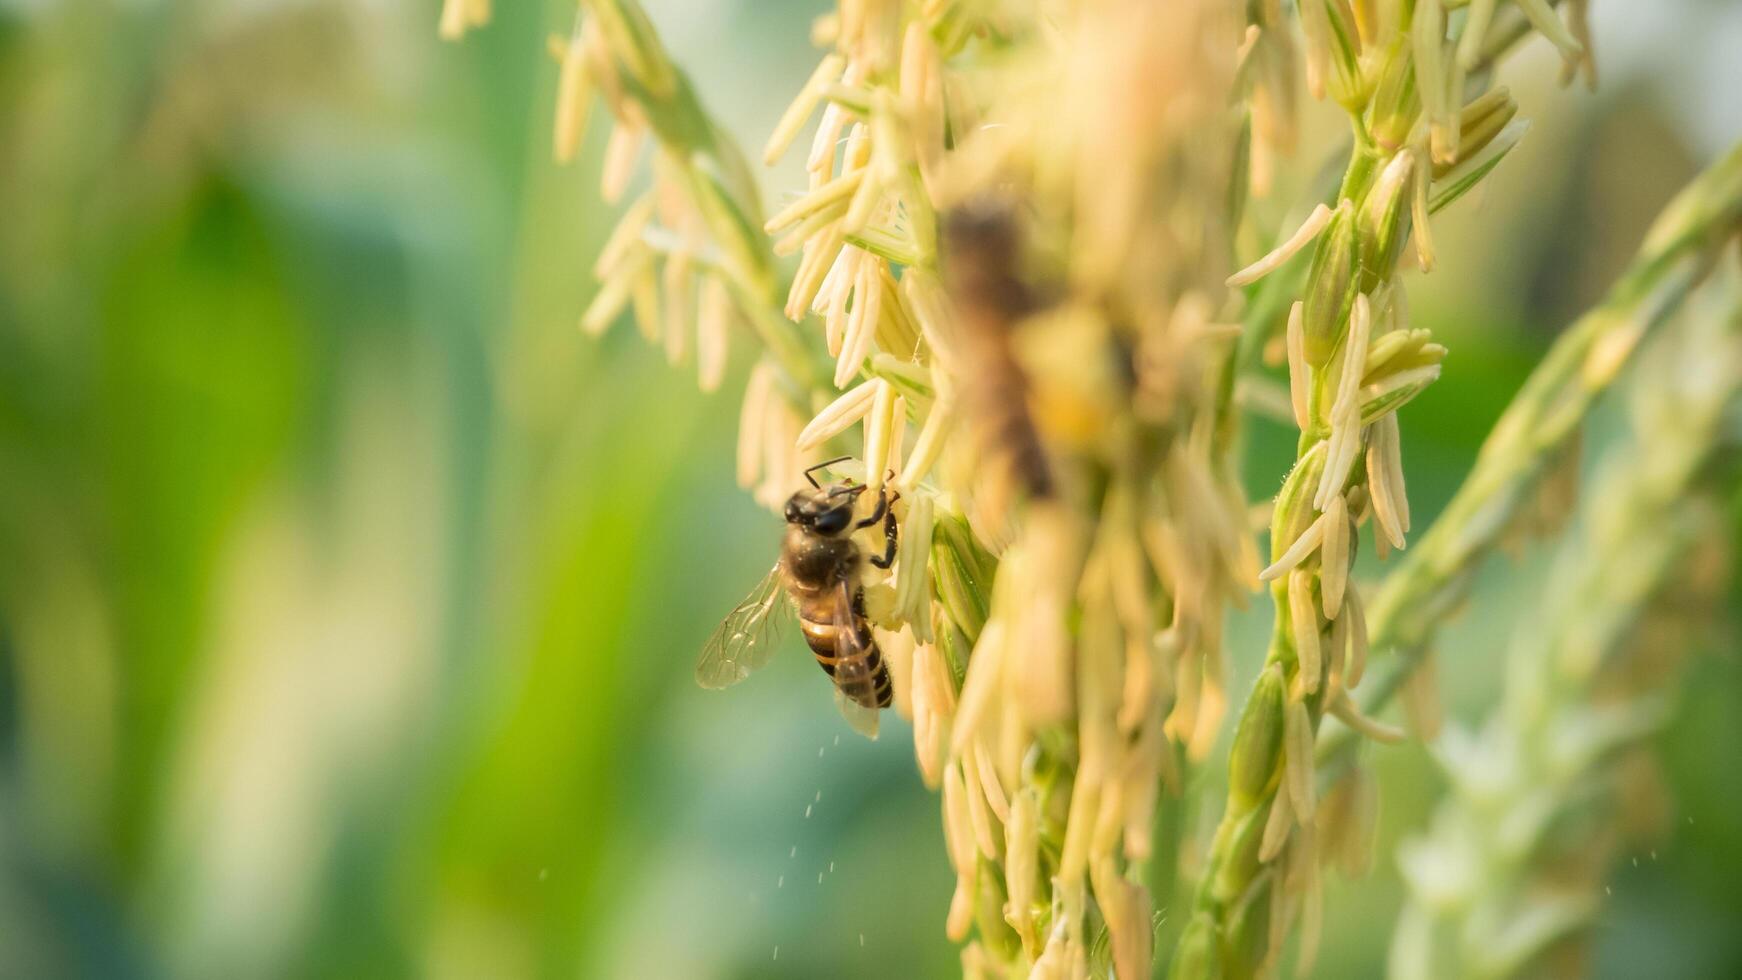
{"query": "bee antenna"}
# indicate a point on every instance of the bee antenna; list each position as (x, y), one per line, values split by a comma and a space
(822, 465)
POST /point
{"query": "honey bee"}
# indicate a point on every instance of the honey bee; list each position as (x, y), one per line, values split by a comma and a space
(982, 258)
(820, 575)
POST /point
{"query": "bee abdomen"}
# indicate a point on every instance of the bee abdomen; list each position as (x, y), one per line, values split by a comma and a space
(861, 675)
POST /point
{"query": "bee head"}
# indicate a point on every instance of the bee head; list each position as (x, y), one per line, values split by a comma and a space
(828, 511)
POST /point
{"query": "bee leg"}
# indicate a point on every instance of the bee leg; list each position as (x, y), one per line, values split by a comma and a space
(881, 512)
(888, 557)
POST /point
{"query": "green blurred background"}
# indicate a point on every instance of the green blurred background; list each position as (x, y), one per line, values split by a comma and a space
(349, 597)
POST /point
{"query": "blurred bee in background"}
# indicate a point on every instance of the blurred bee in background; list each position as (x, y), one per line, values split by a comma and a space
(820, 572)
(982, 257)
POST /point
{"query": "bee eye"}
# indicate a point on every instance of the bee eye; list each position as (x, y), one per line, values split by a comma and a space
(832, 521)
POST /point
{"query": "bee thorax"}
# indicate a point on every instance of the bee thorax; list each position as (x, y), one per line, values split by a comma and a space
(814, 563)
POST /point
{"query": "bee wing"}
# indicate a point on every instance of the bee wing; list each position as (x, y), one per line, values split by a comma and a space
(854, 681)
(745, 640)
(862, 719)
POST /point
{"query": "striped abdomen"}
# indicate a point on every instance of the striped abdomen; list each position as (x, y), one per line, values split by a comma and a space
(982, 265)
(855, 666)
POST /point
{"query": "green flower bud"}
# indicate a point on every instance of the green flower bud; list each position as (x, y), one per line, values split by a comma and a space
(963, 582)
(633, 40)
(1396, 104)
(1257, 748)
(1387, 347)
(1198, 955)
(989, 901)
(1471, 168)
(1412, 349)
(1478, 124)
(1395, 390)
(1498, 99)
(1238, 845)
(1330, 288)
(1384, 221)
(1249, 928)
(953, 644)
(1293, 512)
(1348, 86)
